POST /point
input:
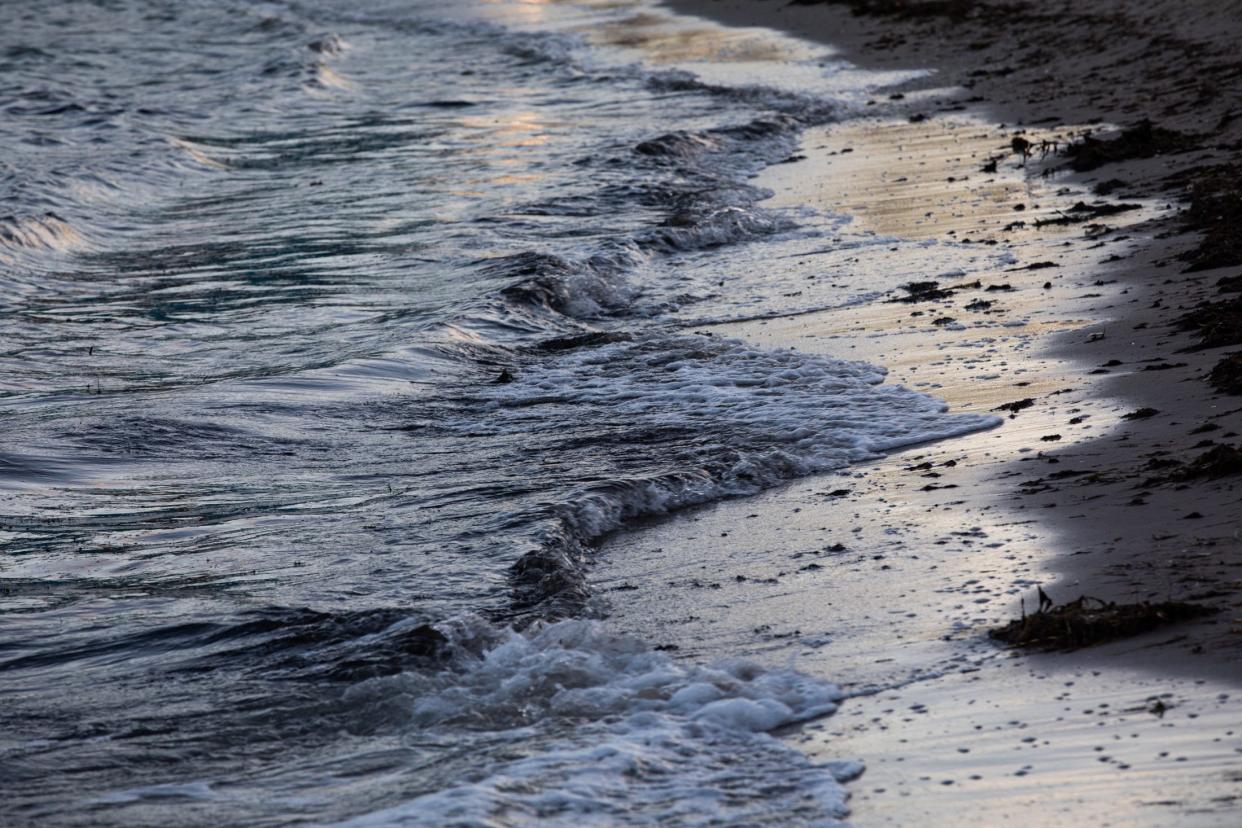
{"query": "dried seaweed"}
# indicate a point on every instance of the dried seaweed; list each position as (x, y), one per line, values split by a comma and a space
(1089, 621)
(1226, 375)
(1218, 323)
(1143, 140)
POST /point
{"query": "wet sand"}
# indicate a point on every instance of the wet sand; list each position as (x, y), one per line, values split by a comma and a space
(887, 577)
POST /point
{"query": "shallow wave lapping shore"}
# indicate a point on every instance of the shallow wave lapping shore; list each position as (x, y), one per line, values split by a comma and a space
(352, 333)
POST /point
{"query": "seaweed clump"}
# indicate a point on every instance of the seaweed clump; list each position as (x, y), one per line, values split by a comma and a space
(1089, 621)
(1143, 140)
(1229, 284)
(1215, 463)
(1082, 212)
(1216, 212)
(1218, 323)
(931, 291)
(1226, 376)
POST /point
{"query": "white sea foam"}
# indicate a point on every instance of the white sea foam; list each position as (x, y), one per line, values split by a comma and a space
(613, 733)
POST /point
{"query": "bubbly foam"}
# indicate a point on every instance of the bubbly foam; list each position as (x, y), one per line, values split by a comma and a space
(621, 734)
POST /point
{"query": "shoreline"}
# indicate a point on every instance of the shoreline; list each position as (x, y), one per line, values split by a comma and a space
(1135, 534)
(940, 543)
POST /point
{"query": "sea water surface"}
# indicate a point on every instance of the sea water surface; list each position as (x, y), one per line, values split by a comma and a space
(332, 336)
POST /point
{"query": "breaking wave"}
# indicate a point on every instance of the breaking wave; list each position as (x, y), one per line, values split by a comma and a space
(624, 735)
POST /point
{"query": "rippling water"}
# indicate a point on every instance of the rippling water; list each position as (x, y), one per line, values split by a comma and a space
(333, 337)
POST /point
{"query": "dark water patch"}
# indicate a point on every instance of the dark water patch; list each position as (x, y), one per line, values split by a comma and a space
(337, 146)
(308, 645)
(23, 468)
(450, 104)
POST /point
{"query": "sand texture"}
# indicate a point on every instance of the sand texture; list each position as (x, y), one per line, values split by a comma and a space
(1099, 150)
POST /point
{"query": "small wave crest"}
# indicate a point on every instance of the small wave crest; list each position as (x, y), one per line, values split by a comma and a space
(706, 201)
(329, 44)
(36, 234)
(806, 109)
(585, 289)
(321, 76)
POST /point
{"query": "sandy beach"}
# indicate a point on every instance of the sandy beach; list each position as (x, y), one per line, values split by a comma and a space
(1113, 475)
(680, 413)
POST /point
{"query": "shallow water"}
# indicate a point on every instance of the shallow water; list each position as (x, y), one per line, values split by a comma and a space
(332, 340)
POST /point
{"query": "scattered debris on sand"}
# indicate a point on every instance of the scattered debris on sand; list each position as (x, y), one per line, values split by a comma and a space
(931, 291)
(1082, 212)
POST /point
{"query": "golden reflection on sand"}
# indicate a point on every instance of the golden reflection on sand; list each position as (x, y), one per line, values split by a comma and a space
(661, 38)
(664, 40)
(926, 180)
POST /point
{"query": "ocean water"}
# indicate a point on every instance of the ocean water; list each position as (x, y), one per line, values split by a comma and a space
(333, 337)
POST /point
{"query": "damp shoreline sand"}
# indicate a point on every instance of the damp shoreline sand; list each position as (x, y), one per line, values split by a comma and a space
(887, 577)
